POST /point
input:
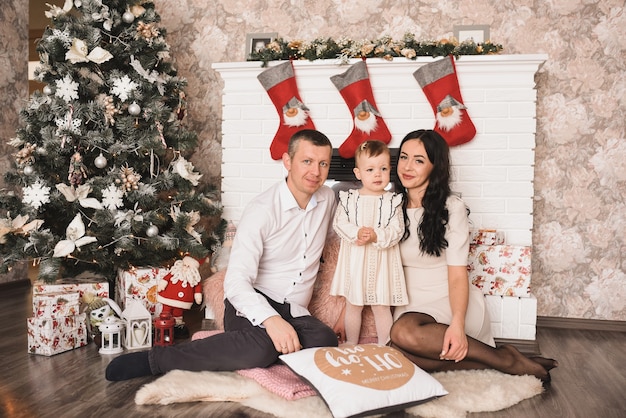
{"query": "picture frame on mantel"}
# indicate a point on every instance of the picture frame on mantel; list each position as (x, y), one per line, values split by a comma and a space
(256, 41)
(479, 33)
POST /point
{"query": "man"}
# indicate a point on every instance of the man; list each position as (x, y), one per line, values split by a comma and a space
(269, 282)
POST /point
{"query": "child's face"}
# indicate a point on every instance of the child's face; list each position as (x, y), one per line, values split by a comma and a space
(374, 173)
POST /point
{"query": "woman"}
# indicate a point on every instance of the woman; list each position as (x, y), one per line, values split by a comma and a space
(445, 326)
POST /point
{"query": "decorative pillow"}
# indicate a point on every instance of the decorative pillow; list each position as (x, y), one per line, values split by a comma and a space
(358, 380)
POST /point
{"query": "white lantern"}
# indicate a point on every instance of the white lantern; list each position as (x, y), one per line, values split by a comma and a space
(138, 323)
(111, 329)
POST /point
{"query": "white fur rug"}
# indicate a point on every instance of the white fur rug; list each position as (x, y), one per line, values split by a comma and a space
(469, 391)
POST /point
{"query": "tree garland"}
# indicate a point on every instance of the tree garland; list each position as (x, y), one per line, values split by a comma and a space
(385, 47)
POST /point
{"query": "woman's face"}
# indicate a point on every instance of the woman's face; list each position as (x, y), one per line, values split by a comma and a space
(414, 167)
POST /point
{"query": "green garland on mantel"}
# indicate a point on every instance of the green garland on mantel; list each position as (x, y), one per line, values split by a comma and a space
(385, 47)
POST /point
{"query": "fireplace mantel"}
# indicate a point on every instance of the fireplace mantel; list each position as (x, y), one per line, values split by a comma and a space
(493, 172)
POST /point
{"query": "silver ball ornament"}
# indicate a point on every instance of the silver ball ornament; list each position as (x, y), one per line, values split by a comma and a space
(128, 17)
(152, 231)
(134, 109)
(100, 161)
(29, 170)
(47, 90)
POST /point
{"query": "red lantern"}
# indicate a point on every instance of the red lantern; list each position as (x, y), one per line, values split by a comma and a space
(164, 329)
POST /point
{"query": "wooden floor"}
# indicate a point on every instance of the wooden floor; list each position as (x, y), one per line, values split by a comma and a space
(590, 382)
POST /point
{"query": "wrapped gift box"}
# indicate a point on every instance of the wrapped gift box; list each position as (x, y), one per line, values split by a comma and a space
(486, 237)
(56, 304)
(140, 284)
(82, 286)
(503, 270)
(50, 336)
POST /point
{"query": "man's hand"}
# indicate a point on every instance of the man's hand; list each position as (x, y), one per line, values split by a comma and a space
(283, 335)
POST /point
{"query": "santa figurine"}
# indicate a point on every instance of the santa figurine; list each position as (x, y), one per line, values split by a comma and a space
(178, 289)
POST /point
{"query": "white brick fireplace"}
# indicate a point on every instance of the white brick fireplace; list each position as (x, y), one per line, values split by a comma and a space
(493, 172)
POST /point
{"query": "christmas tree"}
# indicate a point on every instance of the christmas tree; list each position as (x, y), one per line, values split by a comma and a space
(102, 179)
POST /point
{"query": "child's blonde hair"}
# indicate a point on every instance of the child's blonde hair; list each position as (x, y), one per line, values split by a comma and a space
(370, 148)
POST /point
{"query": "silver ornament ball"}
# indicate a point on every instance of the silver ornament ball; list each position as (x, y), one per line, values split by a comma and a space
(47, 90)
(128, 17)
(29, 170)
(152, 231)
(134, 109)
(100, 161)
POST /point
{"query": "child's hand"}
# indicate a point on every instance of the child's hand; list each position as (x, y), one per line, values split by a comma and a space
(366, 235)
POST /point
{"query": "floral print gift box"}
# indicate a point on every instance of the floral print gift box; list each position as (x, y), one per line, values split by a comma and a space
(95, 287)
(56, 305)
(49, 336)
(486, 237)
(140, 284)
(503, 270)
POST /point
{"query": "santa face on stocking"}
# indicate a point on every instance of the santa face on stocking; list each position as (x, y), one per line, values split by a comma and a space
(365, 117)
(295, 113)
(449, 113)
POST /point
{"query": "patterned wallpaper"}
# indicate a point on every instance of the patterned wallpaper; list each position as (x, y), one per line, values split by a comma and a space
(579, 236)
(13, 87)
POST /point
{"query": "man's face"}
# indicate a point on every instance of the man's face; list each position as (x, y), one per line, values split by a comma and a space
(308, 169)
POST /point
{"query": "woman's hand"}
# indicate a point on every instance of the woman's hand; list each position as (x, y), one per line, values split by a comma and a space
(454, 344)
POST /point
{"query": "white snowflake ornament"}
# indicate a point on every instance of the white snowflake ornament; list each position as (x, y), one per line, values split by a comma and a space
(112, 197)
(36, 195)
(123, 86)
(72, 125)
(63, 36)
(67, 89)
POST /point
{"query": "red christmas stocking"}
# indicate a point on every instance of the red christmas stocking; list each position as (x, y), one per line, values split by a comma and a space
(355, 88)
(441, 87)
(280, 84)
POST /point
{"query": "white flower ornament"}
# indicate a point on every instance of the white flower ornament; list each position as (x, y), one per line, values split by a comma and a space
(79, 193)
(185, 169)
(79, 53)
(76, 238)
(18, 225)
(56, 11)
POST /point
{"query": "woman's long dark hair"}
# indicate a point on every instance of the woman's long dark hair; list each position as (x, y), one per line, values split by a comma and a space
(432, 228)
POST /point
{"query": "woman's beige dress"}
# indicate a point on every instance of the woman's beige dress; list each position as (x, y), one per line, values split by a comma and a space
(427, 276)
(369, 274)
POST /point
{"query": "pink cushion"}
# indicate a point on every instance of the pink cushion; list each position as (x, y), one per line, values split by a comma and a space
(278, 378)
